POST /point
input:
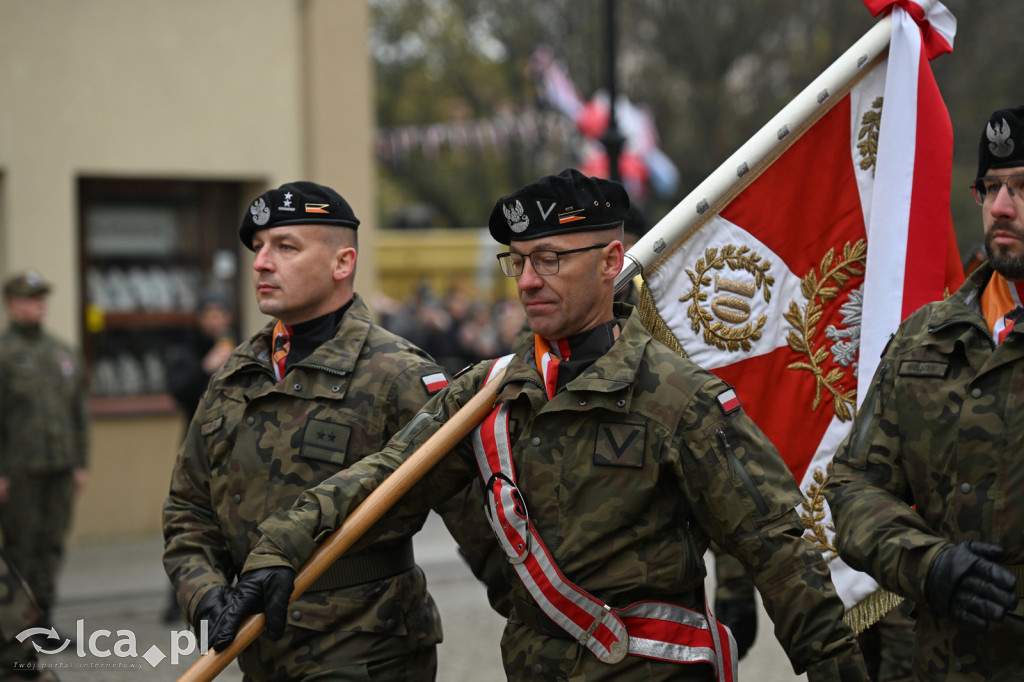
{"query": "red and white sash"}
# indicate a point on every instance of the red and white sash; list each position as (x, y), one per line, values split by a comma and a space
(651, 629)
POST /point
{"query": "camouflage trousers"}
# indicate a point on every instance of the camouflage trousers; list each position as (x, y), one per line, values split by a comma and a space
(888, 646)
(35, 524)
(945, 651)
(18, 611)
(320, 656)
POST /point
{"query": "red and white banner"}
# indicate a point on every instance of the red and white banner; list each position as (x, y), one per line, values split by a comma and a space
(790, 293)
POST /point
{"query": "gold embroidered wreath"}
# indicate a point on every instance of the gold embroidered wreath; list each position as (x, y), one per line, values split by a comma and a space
(715, 332)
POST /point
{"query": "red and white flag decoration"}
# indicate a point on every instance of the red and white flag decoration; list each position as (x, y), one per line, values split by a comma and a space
(790, 293)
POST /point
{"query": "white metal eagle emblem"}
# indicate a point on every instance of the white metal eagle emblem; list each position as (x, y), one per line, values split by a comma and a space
(516, 217)
(999, 140)
(260, 212)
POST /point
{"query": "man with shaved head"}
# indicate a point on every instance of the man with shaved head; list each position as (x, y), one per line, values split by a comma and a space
(312, 392)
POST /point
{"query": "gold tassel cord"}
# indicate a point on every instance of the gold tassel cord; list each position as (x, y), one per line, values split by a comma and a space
(871, 609)
(651, 318)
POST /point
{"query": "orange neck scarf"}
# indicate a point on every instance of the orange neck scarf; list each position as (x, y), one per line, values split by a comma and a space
(998, 299)
(547, 361)
(282, 342)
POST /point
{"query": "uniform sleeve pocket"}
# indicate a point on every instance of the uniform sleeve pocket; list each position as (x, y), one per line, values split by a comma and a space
(855, 447)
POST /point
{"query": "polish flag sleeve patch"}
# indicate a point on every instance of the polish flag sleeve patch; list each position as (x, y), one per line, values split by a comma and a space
(434, 382)
(729, 401)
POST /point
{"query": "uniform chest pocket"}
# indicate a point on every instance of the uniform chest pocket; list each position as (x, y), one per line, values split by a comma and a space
(325, 441)
(23, 383)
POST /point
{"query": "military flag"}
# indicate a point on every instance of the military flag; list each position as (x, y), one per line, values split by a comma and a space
(786, 273)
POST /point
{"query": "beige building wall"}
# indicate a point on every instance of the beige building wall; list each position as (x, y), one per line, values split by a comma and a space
(255, 91)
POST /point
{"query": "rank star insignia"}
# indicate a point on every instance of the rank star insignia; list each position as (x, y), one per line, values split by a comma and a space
(287, 205)
(325, 441)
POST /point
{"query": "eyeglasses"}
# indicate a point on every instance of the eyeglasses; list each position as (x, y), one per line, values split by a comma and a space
(986, 189)
(544, 261)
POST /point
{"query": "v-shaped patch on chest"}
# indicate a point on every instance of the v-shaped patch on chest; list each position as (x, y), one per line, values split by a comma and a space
(620, 445)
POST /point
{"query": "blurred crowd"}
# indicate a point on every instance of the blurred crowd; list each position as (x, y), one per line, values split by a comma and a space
(458, 329)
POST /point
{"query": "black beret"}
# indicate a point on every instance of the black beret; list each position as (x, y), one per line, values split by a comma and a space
(296, 203)
(559, 204)
(28, 283)
(1002, 141)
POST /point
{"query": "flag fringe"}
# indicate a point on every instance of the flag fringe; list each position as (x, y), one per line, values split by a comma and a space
(651, 318)
(870, 610)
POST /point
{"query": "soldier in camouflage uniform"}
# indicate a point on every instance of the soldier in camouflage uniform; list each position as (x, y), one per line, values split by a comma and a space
(627, 466)
(927, 492)
(44, 424)
(305, 397)
(483, 556)
(734, 590)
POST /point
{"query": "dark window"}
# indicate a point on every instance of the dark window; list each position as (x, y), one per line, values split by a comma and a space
(150, 249)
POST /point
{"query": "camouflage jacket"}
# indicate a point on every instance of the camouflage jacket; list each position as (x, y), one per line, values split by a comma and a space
(44, 411)
(254, 445)
(626, 474)
(934, 458)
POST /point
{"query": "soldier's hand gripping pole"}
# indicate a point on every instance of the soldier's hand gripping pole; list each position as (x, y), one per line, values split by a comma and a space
(359, 521)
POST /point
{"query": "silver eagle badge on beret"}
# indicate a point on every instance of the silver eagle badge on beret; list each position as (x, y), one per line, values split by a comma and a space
(1000, 142)
(260, 212)
(515, 215)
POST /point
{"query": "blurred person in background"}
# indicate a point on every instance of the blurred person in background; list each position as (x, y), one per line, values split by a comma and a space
(44, 438)
(206, 349)
(451, 349)
(423, 321)
(478, 333)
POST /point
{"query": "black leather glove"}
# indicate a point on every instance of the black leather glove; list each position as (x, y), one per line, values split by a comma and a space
(265, 590)
(740, 616)
(210, 607)
(966, 584)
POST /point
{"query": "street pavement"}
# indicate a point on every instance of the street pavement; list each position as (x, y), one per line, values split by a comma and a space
(114, 592)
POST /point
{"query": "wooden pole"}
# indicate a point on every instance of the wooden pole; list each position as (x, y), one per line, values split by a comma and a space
(359, 521)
